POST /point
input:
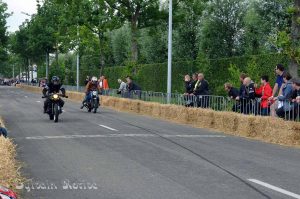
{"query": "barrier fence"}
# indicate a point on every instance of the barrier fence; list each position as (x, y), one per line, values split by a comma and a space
(287, 110)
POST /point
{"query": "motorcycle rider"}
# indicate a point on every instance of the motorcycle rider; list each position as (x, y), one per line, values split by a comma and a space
(54, 86)
(91, 86)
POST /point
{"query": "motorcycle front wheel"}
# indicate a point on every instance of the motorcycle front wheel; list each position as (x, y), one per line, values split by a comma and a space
(56, 113)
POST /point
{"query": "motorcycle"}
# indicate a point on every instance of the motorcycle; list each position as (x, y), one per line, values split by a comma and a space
(54, 108)
(93, 102)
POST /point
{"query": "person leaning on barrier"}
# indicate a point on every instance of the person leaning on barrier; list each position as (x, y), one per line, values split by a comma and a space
(233, 93)
(201, 90)
(194, 79)
(189, 86)
(283, 100)
(133, 88)
(277, 90)
(296, 98)
(123, 87)
(247, 95)
(265, 91)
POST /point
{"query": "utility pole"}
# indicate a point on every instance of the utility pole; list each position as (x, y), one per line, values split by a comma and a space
(13, 71)
(47, 66)
(169, 86)
(78, 61)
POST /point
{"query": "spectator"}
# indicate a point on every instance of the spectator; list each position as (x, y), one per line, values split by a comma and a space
(242, 87)
(296, 98)
(201, 91)
(188, 85)
(265, 91)
(233, 93)
(133, 88)
(188, 90)
(3, 132)
(284, 105)
(194, 79)
(247, 95)
(123, 87)
(87, 80)
(279, 71)
(103, 83)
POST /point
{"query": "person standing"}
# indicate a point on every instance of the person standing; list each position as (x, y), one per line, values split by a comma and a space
(87, 80)
(284, 105)
(247, 96)
(201, 90)
(123, 88)
(133, 88)
(189, 86)
(265, 91)
(103, 83)
(279, 71)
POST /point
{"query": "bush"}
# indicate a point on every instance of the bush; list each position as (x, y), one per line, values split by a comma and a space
(153, 77)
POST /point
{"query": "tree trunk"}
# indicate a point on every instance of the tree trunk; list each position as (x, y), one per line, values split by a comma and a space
(47, 65)
(101, 56)
(294, 65)
(56, 58)
(134, 43)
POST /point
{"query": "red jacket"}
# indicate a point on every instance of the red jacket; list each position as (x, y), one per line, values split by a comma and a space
(265, 92)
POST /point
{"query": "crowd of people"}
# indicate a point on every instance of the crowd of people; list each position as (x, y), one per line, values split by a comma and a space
(126, 89)
(283, 100)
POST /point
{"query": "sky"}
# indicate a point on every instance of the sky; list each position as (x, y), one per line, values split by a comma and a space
(18, 6)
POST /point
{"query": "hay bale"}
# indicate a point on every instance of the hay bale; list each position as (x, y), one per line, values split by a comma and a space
(205, 118)
(245, 125)
(10, 175)
(263, 128)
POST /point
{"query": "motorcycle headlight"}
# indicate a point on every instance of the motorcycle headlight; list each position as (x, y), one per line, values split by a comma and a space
(55, 96)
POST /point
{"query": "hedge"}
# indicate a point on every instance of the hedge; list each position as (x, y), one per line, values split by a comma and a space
(153, 77)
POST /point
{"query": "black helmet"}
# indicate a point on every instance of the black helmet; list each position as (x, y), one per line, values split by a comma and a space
(55, 80)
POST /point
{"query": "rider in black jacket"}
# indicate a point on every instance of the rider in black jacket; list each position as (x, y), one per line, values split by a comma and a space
(53, 87)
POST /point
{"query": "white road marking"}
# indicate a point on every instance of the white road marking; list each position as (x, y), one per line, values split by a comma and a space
(278, 189)
(38, 101)
(26, 96)
(120, 136)
(108, 127)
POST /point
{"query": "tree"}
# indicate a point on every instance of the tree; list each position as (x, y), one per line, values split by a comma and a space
(222, 28)
(4, 68)
(140, 14)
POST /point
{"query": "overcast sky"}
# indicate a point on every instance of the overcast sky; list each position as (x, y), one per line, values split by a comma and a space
(18, 6)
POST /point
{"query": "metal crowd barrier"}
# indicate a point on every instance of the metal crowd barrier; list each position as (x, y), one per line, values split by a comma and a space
(288, 111)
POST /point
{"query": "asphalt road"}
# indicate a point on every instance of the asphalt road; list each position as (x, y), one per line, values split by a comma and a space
(113, 155)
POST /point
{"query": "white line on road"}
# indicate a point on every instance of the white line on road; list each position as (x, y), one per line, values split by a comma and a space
(121, 136)
(108, 127)
(275, 188)
(38, 101)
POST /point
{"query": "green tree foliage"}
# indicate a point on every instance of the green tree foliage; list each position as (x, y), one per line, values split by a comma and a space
(4, 68)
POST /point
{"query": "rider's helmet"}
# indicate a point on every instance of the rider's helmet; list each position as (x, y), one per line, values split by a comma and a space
(55, 80)
(94, 80)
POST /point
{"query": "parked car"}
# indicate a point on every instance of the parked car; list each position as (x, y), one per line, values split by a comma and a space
(6, 193)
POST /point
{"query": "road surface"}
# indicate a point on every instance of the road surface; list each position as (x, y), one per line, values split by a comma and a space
(113, 155)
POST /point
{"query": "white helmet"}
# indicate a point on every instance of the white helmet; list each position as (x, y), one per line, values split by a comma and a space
(94, 79)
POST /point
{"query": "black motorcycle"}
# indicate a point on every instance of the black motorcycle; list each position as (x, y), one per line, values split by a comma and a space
(93, 102)
(54, 108)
